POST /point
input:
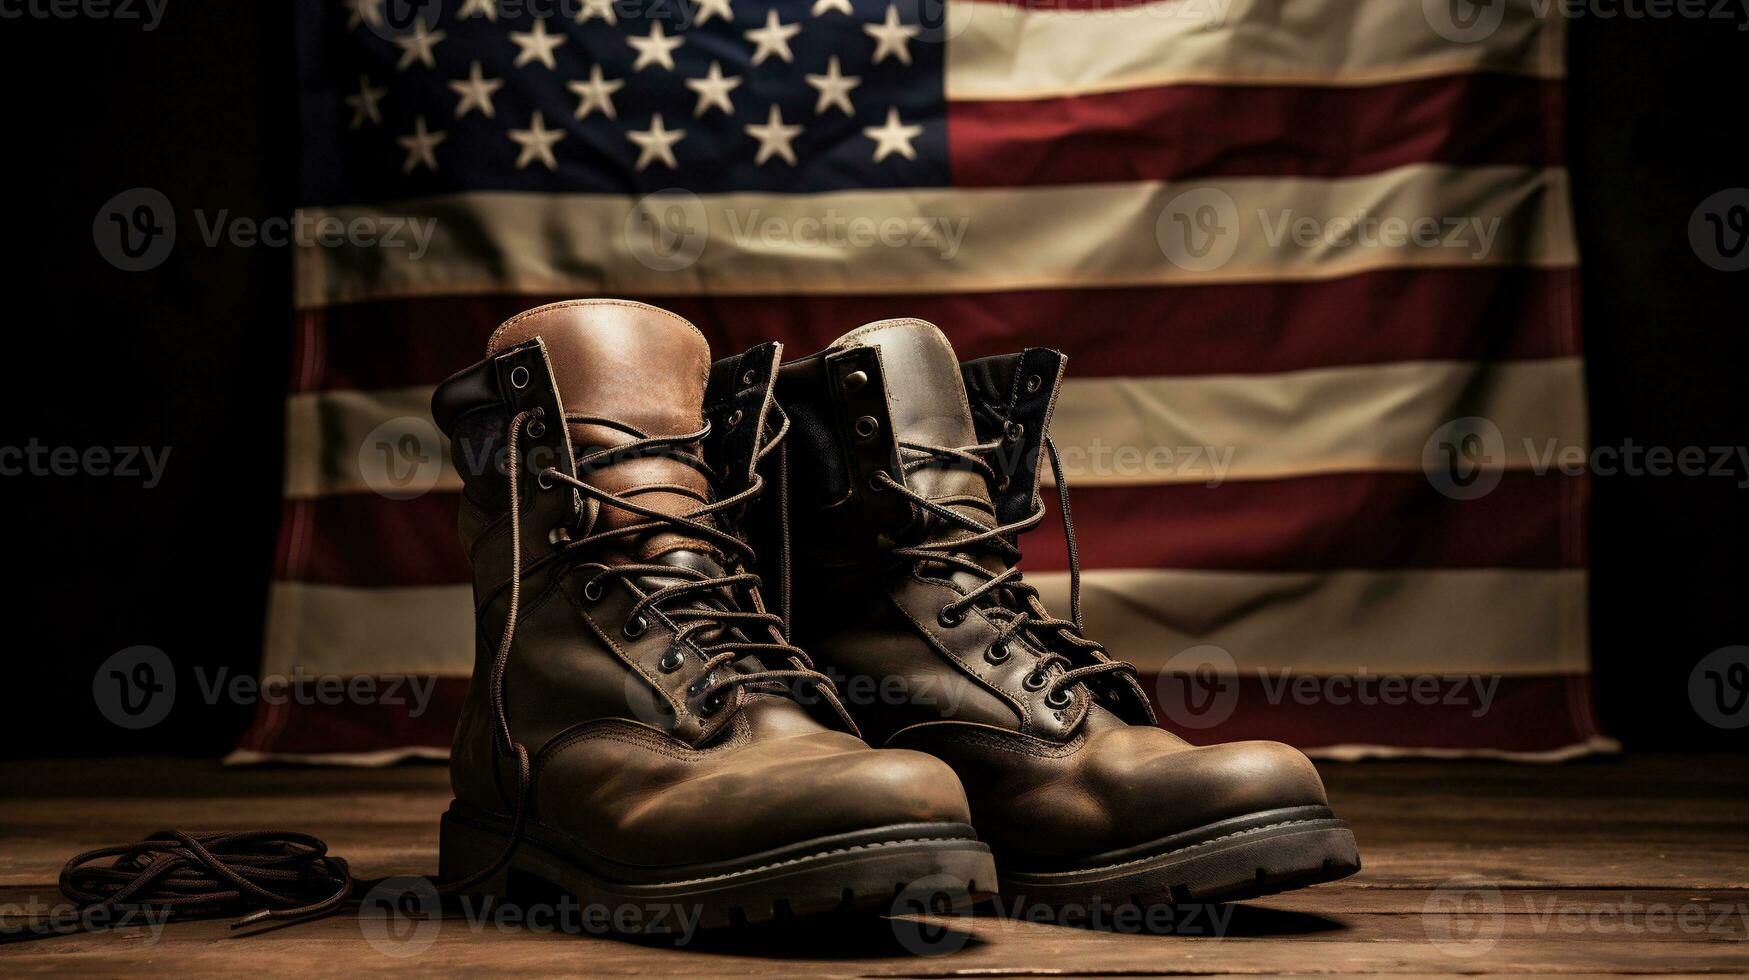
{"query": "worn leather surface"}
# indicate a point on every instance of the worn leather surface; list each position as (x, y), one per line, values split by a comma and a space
(1046, 781)
(627, 760)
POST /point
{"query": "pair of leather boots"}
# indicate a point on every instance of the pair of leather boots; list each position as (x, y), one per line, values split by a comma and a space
(644, 728)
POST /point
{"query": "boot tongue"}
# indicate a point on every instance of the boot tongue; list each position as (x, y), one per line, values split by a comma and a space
(641, 367)
(927, 400)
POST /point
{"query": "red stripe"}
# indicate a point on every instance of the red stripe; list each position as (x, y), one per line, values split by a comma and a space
(1245, 328)
(1180, 132)
(1319, 523)
(1524, 714)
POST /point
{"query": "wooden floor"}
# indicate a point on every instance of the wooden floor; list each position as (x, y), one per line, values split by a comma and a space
(1615, 867)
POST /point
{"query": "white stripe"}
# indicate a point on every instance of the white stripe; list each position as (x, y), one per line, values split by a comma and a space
(1109, 431)
(1007, 51)
(1486, 621)
(941, 240)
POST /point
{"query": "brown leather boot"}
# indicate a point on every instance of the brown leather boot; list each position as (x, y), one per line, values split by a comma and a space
(638, 731)
(905, 513)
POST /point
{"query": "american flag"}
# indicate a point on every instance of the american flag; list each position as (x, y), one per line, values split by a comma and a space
(1312, 262)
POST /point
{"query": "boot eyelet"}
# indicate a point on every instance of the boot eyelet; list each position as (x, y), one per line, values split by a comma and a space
(1033, 383)
(998, 653)
(519, 377)
(1034, 681)
(635, 627)
(867, 426)
(950, 617)
(1012, 431)
(536, 429)
(543, 482)
(748, 378)
(558, 536)
(1059, 699)
(671, 660)
(1003, 485)
(592, 591)
(735, 418)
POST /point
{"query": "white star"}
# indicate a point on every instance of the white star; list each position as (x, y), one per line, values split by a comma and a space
(597, 8)
(364, 12)
(713, 90)
(538, 45)
(821, 6)
(894, 137)
(478, 8)
(476, 93)
(834, 88)
(714, 8)
(597, 93)
(774, 138)
(418, 46)
(772, 39)
(364, 104)
(657, 48)
(419, 146)
(656, 143)
(537, 143)
(892, 37)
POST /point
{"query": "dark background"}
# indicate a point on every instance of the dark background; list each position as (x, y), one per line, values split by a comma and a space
(194, 355)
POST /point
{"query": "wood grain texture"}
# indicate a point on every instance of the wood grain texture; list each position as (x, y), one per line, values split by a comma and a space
(1620, 867)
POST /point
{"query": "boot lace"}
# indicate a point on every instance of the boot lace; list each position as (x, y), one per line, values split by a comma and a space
(1013, 604)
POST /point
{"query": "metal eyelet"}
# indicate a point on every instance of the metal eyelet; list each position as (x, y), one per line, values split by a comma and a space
(1012, 431)
(1059, 699)
(592, 591)
(1003, 484)
(998, 653)
(542, 481)
(874, 483)
(536, 429)
(867, 426)
(635, 627)
(672, 660)
(710, 706)
(558, 536)
(749, 378)
(519, 377)
(950, 617)
(1034, 681)
(1033, 383)
(735, 418)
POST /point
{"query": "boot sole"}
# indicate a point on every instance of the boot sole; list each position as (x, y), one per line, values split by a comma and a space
(937, 867)
(1246, 857)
